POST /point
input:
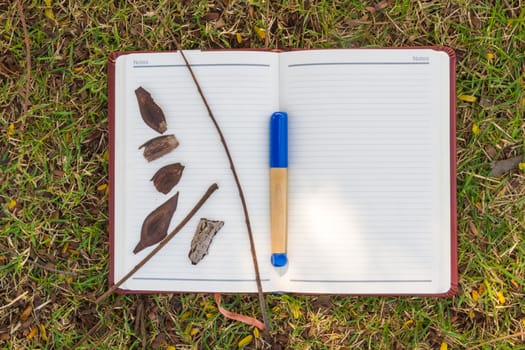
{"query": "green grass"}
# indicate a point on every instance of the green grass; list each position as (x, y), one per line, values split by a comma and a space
(54, 240)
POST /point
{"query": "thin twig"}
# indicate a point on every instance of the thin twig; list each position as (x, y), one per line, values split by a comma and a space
(21, 296)
(495, 340)
(235, 176)
(25, 106)
(239, 189)
(51, 269)
(161, 245)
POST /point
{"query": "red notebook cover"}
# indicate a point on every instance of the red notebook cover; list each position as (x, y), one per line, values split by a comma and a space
(453, 205)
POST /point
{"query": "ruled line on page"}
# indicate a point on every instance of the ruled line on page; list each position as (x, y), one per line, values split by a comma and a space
(354, 63)
(202, 65)
(360, 281)
(198, 279)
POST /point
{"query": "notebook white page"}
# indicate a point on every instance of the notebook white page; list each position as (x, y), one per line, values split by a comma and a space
(369, 174)
(241, 88)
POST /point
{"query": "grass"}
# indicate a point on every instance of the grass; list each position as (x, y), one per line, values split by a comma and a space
(53, 168)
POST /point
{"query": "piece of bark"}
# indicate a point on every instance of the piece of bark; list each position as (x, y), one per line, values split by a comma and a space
(500, 167)
(206, 230)
(151, 112)
(167, 177)
(159, 146)
(156, 224)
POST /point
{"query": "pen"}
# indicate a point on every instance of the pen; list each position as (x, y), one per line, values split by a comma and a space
(279, 186)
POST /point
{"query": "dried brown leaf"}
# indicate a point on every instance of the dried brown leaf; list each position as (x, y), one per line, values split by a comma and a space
(159, 146)
(59, 173)
(151, 113)
(211, 16)
(167, 177)
(206, 230)
(218, 24)
(383, 4)
(475, 20)
(491, 151)
(473, 228)
(159, 340)
(500, 167)
(156, 224)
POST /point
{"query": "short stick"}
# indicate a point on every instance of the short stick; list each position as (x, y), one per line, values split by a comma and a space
(161, 245)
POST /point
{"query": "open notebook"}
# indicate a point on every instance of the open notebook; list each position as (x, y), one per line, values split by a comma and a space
(371, 168)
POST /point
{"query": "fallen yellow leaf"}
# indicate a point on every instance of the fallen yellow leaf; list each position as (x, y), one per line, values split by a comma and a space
(475, 295)
(239, 38)
(245, 341)
(490, 56)
(102, 187)
(27, 312)
(408, 323)
(170, 347)
(296, 311)
(11, 204)
(11, 130)
(194, 331)
(444, 346)
(256, 333)
(501, 297)
(476, 130)
(43, 333)
(468, 98)
(208, 306)
(261, 33)
(48, 12)
(187, 330)
(33, 332)
(185, 315)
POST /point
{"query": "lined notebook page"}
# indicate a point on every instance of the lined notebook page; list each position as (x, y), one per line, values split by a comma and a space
(369, 195)
(241, 88)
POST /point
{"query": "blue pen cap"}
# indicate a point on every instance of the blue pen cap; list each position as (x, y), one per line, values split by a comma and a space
(279, 259)
(279, 140)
